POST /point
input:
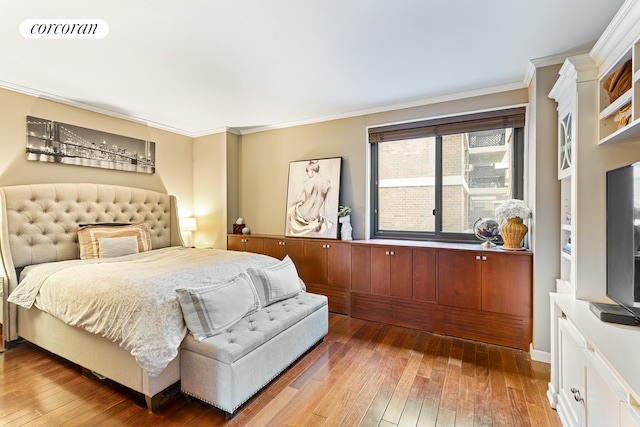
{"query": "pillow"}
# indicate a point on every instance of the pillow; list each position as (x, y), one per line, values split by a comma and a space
(88, 238)
(213, 309)
(277, 282)
(117, 246)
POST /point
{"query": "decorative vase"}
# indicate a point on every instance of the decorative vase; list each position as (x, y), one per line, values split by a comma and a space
(512, 232)
(345, 227)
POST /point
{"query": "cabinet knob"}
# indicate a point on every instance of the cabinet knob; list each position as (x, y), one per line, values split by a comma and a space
(390, 253)
(478, 257)
(282, 243)
(484, 257)
(576, 394)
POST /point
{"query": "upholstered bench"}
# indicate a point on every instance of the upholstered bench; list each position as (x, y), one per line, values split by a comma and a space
(227, 369)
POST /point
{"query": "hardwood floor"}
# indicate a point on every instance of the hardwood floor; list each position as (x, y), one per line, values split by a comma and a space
(364, 373)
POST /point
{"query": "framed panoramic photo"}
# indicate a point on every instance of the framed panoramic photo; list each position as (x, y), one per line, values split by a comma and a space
(313, 194)
(57, 142)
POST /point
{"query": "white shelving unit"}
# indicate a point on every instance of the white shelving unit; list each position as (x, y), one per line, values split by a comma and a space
(578, 78)
(619, 43)
(595, 380)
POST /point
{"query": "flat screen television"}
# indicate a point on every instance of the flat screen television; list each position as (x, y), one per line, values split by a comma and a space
(623, 238)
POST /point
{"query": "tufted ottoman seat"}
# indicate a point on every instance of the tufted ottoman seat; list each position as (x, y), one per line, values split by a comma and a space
(227, 369)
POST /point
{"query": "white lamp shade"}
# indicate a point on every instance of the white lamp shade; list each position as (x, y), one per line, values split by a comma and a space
(188, 224)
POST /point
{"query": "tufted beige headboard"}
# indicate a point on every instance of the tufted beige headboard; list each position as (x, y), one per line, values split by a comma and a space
(39, 222)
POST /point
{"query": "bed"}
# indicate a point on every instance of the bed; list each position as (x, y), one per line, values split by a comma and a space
(39, 238)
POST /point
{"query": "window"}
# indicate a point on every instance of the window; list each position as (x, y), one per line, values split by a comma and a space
(434, 179)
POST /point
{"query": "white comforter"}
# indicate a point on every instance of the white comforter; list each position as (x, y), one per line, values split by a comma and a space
(131, 300)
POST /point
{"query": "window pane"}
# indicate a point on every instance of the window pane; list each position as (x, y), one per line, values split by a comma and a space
(476, 169)
(406, 185)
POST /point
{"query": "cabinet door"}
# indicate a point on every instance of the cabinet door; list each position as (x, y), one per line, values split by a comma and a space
(339, 265)
(400, 272)
(328, 263)
(295, 249)
(391, 270)
(459, 278)
(235, 243)
(506, 283)
(315, 256)
(245, 243)
(278, 248)
(571, 362)
(604, 393)
(361, 268)
(253, 244)
(380, 270)
(424, 275)
(274, 248)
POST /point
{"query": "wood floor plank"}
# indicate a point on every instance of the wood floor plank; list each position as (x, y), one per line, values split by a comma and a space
(465, 409)
(401, 393)
(412, 408)
(385, 392)
(451, 389)
(429, 346)
(518, 408)
(364, 399)
(433, 396)
(343, 388)
(334, 350)
(469, 359)
(364, 373)
(275, 406)
(501, 412)
(528, 379)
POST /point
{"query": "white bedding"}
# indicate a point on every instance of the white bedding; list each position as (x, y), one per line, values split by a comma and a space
(131, 300)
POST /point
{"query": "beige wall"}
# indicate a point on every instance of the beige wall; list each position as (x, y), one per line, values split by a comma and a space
(215, 170)
(265, 157)
(543, 193)
(264, 167)
(174, 153)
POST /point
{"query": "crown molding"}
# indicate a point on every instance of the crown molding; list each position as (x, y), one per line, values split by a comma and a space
(621, 33)
(248, 130)
(392, 107)
(547, 61)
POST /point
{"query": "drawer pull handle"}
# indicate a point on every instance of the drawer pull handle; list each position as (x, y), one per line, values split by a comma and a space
(576, 394)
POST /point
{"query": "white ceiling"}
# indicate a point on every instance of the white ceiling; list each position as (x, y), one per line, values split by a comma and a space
(200, 66)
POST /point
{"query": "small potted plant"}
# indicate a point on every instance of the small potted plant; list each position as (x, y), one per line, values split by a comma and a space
(344, 217)
(510, 215)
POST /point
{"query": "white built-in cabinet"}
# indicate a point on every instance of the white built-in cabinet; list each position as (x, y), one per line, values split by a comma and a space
(587, 391)
(595, 368)
(576, 94)
(619, 44)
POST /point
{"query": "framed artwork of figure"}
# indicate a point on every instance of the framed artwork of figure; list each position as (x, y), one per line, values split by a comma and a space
(313, 194)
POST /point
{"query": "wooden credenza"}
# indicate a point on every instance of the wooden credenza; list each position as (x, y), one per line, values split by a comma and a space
(462, 290)
(323, 265)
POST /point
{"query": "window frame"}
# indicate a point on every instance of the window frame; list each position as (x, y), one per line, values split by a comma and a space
(506, 118)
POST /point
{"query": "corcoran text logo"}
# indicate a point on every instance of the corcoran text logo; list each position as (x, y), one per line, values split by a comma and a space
(64, 29)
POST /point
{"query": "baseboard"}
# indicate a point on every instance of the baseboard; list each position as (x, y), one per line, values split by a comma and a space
(540, 356)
